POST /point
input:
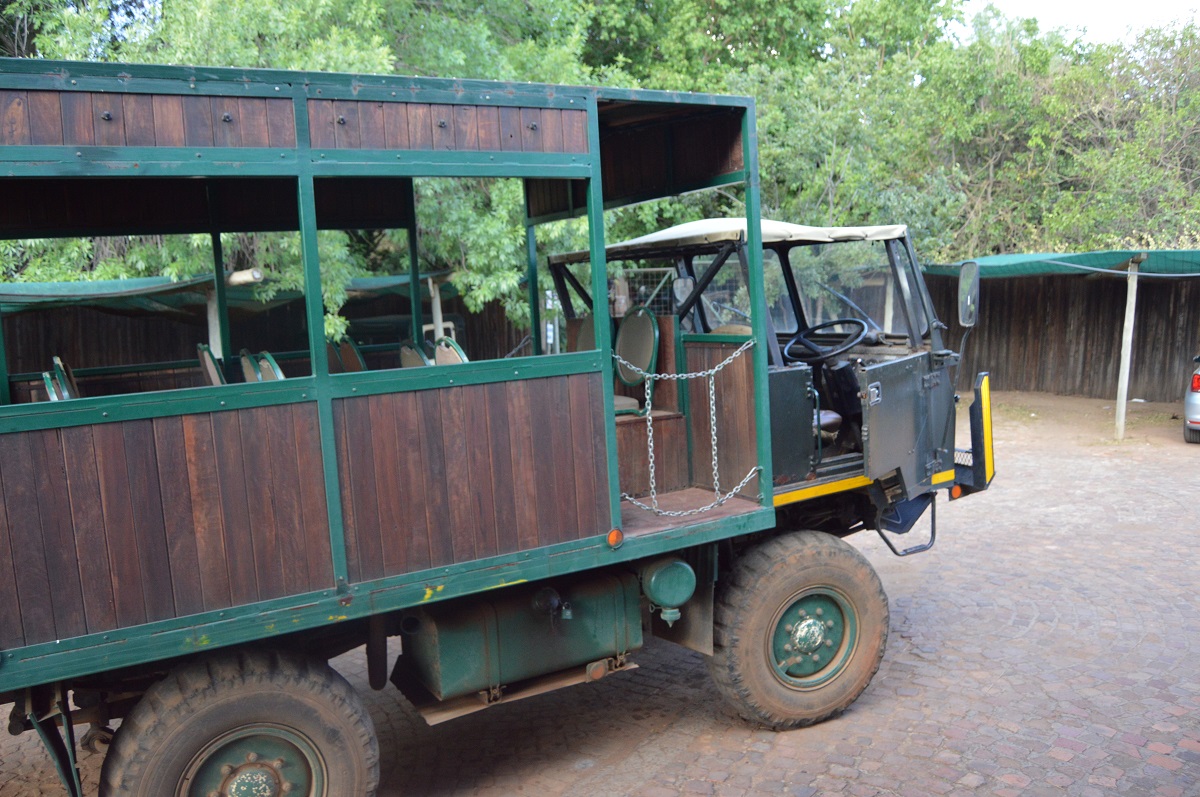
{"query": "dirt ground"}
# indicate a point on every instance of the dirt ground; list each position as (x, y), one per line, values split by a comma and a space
(1049, 644)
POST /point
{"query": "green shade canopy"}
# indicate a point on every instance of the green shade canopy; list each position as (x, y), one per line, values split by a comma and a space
(1163, 262)
(164, 296)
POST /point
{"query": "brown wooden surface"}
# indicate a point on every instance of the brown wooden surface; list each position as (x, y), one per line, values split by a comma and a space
(461, 473)
(117, 524)
(736, 441)
(364, 124)
(143, 120)
(1062, 334)
(670, 453)
(636, 521)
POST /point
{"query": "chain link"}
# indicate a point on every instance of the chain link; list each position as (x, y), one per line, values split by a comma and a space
(711, 376)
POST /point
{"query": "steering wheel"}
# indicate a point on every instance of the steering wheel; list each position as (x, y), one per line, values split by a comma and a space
(814, 353)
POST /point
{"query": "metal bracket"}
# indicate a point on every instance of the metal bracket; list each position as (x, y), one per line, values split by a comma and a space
(882, 520)
(62, 750)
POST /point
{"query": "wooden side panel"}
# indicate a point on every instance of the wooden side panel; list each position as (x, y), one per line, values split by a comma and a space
(345, 129)
(466, 127)
(168, 120)
(108, 120)
(138, 110)
(281, 123)
(252, 113)
(197, 122)
(395, 125)
(371, 126)
(574, 125)
(736, 430)
(670, 455)
(226, 122)
(77, 119)
(420, 129)
(114, 525)
(462, 473)
(14, 118)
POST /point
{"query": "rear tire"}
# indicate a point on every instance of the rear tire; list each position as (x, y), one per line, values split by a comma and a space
(261, 723)
(800, 629)
(1191, 435)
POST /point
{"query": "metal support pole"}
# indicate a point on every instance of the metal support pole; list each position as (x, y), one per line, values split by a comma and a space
(535, 298)
(1127, 342)
(5, 397)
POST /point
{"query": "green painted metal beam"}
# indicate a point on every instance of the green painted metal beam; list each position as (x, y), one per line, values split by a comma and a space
(5, 396)
(531, 286)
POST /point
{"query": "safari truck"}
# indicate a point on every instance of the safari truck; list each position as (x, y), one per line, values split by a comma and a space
(204, 498)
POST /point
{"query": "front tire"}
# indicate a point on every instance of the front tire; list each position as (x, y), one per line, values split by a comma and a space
(800, 628)
(245, 723)
(1191, 435)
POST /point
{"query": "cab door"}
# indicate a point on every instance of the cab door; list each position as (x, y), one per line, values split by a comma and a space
(897, 424)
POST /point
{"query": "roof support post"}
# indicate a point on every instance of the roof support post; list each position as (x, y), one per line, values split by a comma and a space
(414, 288)
(218, 306)
(1127, 342)
(531, 279)
(5, 398)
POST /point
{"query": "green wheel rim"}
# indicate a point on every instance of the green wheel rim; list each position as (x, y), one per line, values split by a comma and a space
(813, 638)
(260, 760)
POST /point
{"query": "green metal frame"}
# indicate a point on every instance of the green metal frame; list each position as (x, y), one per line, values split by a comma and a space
(43, 663)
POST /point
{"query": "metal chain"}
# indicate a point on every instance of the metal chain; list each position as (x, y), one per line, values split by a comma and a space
(711, 375)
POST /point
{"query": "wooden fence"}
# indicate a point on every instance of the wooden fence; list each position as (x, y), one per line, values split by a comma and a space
(1062, 334)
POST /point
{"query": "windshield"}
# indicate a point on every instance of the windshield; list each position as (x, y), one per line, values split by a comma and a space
(726, 300)
(848, 279)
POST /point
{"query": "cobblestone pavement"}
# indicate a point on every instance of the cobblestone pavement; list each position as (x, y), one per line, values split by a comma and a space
(1049, 644)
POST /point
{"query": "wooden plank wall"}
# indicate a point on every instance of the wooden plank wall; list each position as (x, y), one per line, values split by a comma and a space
(1062, 334)
(81, 118)
(415, 494)
(670, 454)
(118, 524)
(358, 124)
(736, 440)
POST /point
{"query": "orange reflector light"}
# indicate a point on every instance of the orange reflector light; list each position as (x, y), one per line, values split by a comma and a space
(956, 492)
(615, 538)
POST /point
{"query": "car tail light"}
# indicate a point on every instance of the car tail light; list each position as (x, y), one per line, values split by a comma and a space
(1196, 382)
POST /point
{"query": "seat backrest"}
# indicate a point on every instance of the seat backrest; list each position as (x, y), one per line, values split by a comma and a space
(637, 343)
(412, 357)
(446, 351)
(350, 357)
(268, 369)
(250, 371)
(209, 365)
(67, 386)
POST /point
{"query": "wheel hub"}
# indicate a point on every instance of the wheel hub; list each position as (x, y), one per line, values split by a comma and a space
(814, 637)
(256, 779)
(808, 636)
(256, 761)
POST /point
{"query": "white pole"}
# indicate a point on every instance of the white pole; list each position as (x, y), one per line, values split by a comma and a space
(1127, 343)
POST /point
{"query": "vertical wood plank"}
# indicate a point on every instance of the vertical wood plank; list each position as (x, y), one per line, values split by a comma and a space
(181, 531)
(11, 633)
(372, 131)
(600, 452)
(542, 425)
(281, 123)
(54, 507)
(146, 498)
(420, 128)
(406, 415)
(364, 489)
(87, 518)
(235, 507)
(226, 126)
(346, 478)
(552, 132)
(45, 118)
(77, 118)
(466, 128)
(392, 532)
(138, 113)
(442, 119)
(480, 466)
(574, 127)
(458, 475)
(531, 130)
(286, 490)
(207, 512)
(582, 439)
(433, 456)
(197, 122)
(118, 521)
(489, 127)
(510, 129)
(345, 129)
(21, 485)
(108, 120)
(168, 120)
(395, 125)
(321, 124)
(261, 496)
(556, 391)
(14, 118)
(504, 499)
(312, 496)
(252, 115)
(525, 484)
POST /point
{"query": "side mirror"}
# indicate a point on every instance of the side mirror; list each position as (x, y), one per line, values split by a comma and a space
(1196, 359)
(968, 294)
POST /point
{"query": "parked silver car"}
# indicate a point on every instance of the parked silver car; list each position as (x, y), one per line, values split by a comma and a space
(1191, 407)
